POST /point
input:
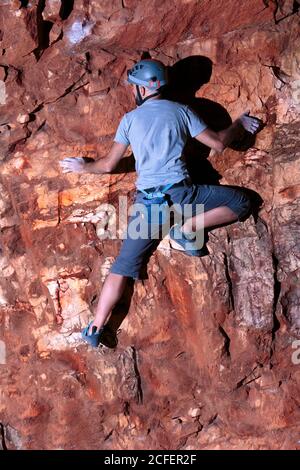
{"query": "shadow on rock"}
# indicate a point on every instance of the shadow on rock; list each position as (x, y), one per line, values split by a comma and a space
(185, 78)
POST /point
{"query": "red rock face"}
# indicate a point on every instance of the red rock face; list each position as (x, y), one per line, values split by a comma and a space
(208, 353)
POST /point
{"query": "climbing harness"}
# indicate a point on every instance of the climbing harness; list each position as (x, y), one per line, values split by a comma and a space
(156, 204)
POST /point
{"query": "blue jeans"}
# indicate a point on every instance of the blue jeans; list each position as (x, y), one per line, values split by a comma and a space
(133, 252)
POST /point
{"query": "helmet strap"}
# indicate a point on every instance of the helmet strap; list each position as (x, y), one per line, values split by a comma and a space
(140, 100)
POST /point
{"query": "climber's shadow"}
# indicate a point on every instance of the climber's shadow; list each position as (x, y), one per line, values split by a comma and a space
(125, 165)
(186, 77)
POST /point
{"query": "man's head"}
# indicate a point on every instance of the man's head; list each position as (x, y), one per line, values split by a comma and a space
(148, 77)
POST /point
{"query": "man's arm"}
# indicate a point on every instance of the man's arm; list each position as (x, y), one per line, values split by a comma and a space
(101, 166)
(220, 140)
(108, 163)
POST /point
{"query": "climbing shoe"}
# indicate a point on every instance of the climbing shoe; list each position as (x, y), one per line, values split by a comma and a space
(189, 245)
(94, 338)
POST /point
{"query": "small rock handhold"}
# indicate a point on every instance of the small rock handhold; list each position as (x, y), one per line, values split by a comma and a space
(22, 118)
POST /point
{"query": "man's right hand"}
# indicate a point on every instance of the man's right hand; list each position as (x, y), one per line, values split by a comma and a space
(250, 124)
(73, 164)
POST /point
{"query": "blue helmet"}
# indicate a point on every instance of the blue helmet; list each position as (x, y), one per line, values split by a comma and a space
(149, 73)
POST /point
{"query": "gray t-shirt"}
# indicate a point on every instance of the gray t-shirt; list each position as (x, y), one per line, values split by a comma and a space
(157, 132)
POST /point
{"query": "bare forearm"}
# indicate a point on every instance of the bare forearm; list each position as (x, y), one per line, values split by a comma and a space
(219, 140)
(100, 166)
(109, 163)
(231, 133)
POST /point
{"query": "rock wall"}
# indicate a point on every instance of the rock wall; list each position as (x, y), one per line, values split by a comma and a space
(207, 355)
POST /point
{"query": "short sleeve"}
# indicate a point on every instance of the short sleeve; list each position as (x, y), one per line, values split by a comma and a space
(122, 132)
(195, 124)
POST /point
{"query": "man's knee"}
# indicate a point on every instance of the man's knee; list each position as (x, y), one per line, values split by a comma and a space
(245, 206)
(126, 267)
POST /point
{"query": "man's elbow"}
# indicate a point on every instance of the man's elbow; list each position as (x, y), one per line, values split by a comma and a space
(100, 166)
(108, 167)
(219, 146)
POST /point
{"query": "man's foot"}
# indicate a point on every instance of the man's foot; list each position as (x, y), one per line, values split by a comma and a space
(189, 246)
(91, 335)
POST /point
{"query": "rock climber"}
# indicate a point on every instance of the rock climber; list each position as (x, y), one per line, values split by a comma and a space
(157, 131)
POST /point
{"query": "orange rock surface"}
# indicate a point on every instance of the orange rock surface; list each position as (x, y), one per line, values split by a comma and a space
(208, 350)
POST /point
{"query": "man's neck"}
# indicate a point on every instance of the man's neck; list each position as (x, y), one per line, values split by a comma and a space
(158, 97)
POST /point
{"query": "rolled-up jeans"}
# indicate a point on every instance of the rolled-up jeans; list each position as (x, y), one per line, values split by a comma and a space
(133, 252)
